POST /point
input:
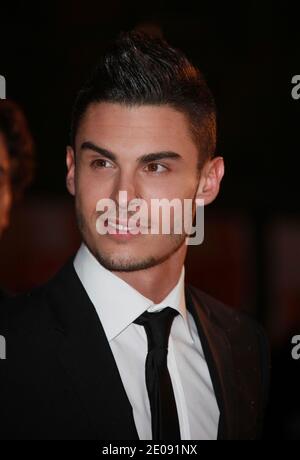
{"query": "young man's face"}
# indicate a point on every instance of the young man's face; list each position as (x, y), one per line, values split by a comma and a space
(5, 187)
(130, 133)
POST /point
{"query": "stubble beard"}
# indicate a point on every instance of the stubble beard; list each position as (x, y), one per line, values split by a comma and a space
(128, 263)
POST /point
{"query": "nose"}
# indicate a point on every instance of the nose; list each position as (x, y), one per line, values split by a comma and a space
(128, 188)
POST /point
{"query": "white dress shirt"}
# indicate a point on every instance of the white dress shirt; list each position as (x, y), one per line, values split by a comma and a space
(118, 304)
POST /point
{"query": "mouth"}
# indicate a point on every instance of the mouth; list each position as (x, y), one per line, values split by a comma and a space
(121, 230)
(120, 227)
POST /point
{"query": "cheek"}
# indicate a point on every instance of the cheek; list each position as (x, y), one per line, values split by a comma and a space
(89, 190)
(172, 186)
(178, 193)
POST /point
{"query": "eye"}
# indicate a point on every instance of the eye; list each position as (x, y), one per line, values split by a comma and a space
(100, 163)
(153, 168)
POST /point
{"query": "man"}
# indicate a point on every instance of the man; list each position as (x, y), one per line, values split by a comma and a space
(117, 345)
(16, 159)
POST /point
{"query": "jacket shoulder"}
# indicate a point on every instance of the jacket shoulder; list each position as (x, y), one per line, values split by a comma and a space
(231, 320)
(23, 312)
(33, 310)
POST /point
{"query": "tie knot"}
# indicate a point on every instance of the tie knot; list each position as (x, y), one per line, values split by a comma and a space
(157, 327)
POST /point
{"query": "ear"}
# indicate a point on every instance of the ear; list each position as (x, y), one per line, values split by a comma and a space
(70, 179)
(211, 176)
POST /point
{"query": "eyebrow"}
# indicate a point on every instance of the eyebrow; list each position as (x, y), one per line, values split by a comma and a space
(143, 159)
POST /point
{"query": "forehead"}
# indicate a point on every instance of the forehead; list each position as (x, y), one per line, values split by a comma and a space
(136, 126)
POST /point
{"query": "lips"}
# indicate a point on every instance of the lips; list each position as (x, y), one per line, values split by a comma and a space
(120, 226)
(123, 225)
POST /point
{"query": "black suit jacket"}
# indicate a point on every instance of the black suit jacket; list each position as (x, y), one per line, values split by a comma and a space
(60, 380)
(3, 295)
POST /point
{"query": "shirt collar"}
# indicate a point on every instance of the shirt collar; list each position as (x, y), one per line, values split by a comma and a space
(112, 296)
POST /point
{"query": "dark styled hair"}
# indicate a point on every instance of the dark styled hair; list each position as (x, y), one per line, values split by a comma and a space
(20, 145)
(137, 69)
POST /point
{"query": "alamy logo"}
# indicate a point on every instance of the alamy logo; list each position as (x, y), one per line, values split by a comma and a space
(2, 87)
(296, 348)
(163, 216)
(2, 347)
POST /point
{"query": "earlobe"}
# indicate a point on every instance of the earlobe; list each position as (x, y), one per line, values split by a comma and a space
(70, 179)
(209, 185)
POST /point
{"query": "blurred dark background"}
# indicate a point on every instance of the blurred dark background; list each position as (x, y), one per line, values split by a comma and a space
(249, 52)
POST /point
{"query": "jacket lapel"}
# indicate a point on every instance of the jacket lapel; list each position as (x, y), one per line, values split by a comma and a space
(87, 357)
(217, 351)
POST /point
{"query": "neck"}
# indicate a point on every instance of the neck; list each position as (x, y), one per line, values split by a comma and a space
(156, 282)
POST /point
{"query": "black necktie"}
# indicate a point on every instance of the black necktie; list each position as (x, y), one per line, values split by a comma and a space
(165, 424)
